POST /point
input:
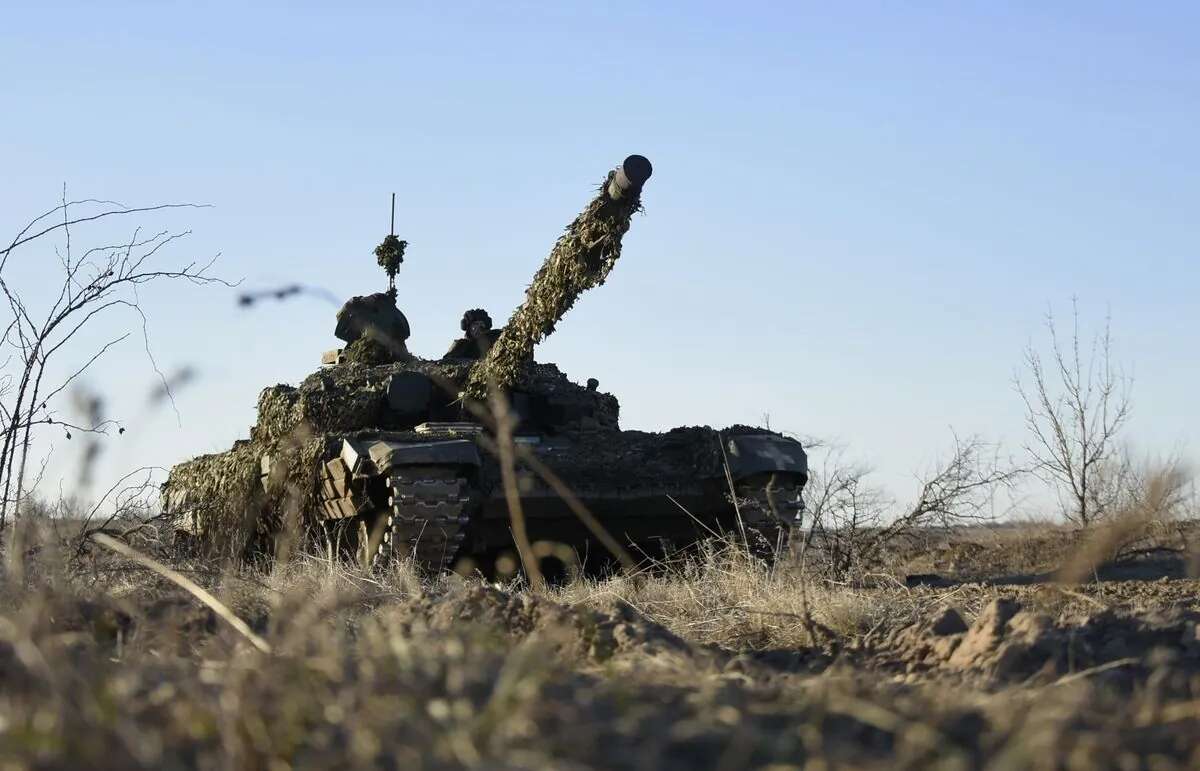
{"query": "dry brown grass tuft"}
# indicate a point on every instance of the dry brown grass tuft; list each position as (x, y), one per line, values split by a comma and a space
(1141, 525)
(721, 596)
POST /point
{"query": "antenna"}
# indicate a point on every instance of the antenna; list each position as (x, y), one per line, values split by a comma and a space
(392, 229)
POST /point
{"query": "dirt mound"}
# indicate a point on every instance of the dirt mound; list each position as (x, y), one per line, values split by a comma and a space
(616, 633)
(1008, 643)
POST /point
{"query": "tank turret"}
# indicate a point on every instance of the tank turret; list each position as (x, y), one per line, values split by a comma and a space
(374, 324)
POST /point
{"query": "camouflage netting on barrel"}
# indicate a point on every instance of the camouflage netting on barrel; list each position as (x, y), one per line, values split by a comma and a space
(581, 259)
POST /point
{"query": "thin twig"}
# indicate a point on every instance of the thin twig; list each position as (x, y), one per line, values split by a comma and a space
(1094, 671)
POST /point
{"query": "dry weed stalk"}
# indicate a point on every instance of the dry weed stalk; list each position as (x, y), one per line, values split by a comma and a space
(377, 672)
(720, 595)
(496, 414)
(504, 422)
(188, 585)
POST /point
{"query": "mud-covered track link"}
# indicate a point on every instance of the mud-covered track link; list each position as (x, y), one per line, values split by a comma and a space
(428, 510)
(417, 512)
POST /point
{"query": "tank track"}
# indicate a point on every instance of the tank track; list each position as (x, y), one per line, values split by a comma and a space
(426, 517)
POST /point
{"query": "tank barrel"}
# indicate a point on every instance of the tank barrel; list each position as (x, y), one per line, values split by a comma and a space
(580, 260)
(629, 177)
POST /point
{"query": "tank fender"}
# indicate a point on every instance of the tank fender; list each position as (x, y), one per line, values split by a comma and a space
(455, 452)
(750, 454)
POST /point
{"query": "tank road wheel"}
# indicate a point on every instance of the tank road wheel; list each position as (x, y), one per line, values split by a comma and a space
(770, 504)
(428, 511)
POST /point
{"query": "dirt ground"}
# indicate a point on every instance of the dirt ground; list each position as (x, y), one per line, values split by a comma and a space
(716, 663)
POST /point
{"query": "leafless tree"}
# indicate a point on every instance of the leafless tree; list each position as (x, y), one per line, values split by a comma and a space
(42, 325)
(1075, 406)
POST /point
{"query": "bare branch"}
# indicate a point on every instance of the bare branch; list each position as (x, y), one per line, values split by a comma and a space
(853, 522)
(101, 279)
(22, 238)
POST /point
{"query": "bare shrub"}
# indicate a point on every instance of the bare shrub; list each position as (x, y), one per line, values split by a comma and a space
(854, 523)
(1075, 407)
(843, 505)
(44, 326)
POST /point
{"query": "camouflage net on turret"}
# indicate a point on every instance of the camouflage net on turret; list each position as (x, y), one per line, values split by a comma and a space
(580, 260)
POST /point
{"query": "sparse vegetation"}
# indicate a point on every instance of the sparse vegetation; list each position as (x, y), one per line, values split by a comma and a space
(854, 524)
(709, 665)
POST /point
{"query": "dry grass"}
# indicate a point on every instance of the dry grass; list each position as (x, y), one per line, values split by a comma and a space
(720, 596)
(709, 664)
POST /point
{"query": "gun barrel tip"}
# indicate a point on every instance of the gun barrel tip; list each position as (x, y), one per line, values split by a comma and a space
(637, 168)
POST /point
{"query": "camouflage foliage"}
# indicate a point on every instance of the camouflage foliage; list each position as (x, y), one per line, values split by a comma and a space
(218, 497)
(580, 260)
(390, 254)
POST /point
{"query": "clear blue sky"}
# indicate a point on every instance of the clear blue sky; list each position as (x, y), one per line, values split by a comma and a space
(859, 214)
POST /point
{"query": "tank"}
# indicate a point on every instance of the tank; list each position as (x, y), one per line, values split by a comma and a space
(382, 455)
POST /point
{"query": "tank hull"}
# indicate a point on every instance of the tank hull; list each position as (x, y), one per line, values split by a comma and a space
(438, 497)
